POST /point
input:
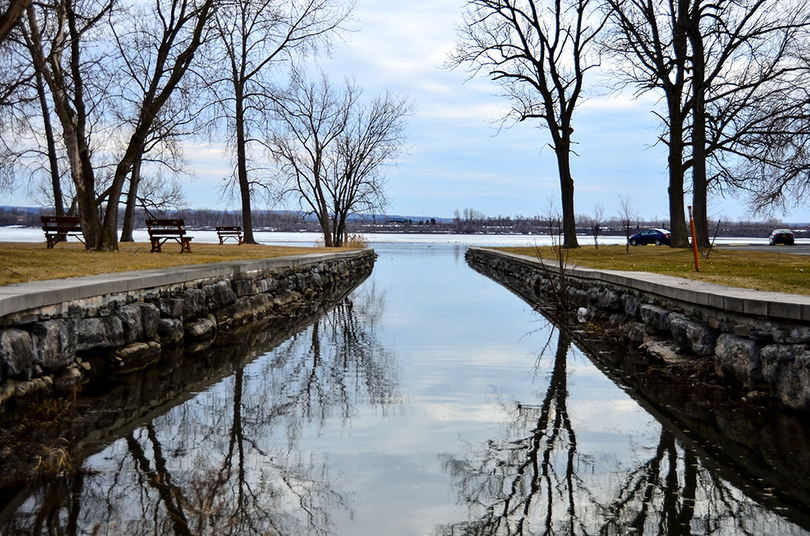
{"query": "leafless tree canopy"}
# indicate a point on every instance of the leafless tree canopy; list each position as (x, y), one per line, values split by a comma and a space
(538, 52)
(255, 37)
(330, 149)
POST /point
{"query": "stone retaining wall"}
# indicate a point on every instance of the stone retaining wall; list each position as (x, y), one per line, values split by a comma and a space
(56, 346)
(758, 340)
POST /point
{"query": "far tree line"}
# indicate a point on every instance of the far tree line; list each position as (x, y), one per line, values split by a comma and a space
(469, 221)
(102, 95)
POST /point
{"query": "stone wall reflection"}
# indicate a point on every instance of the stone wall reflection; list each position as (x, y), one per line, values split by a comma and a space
(228, 460)
(537, 480)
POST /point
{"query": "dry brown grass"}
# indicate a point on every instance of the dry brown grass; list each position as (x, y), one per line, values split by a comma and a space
(21, 262)
(773, 271)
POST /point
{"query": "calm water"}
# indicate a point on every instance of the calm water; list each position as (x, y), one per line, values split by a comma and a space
(431, 402)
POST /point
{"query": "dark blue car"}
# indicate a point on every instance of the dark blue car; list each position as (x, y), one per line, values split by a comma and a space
(650, 236)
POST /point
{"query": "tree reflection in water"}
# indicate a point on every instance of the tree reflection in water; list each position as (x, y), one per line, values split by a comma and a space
(227, 461)
(538, 483)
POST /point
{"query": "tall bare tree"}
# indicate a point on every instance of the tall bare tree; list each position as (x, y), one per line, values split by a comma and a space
(330, 149)
(538, 52)
(311, 118)
(180, 31)
(731, 72)
(61, 62)
(256, 36)
(373, 137)
(749, 98)
(649, 40)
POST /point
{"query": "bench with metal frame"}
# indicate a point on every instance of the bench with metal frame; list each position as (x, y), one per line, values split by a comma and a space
(58, 228)
(229, 232)
(163, 230)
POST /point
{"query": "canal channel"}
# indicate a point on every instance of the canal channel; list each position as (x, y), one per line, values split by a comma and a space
(431, 401)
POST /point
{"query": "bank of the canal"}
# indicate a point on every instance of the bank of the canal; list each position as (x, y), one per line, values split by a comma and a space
(755, 340)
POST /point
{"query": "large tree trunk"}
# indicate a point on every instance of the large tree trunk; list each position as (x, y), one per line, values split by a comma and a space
(699, 180)
(132, 200)
(677, 218)
(11, 17)
(562, 148)
(53, 161)
(241, 166)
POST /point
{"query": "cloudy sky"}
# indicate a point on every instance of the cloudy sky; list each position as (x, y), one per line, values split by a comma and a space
(456, 156)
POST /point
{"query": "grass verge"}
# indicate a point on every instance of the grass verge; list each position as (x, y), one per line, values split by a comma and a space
(777, 271)
(22, 262)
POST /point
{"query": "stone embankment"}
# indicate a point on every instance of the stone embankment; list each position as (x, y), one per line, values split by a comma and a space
(56, 335)
(759, 341)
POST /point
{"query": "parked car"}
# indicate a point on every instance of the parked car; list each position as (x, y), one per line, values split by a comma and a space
(650, 236)
(781, 236)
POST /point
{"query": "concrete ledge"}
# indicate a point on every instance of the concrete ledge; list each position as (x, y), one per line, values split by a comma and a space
(775, 305)
(23, 296)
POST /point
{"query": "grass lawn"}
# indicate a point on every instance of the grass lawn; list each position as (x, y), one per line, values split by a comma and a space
(21, 262)
(734, 267)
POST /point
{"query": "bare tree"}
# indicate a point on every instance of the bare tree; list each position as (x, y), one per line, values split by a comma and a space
(626, 215)
(649, 40)
(180, 30)
(254, 37)
(596, 222)
(373, 138)
(330, 149)
(733, 74)
(311, 118)
(61, 62)
(538, 52)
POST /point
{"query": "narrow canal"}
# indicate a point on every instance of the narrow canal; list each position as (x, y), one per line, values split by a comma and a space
(432, 401)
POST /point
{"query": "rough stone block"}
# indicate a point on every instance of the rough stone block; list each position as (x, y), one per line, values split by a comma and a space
(54, 343)
(139, 321)
(690, 334)
(631, 302)
(193, 303)
(203, 328)
(136, 356)
(99, 332)
(16, 353)
(220, 295)
(786, 369)
(738, 358)
(170, 330)
(655, 317)
(172, 308)
(245, 287)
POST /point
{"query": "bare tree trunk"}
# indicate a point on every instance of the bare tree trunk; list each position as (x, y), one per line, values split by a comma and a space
(241, 166)
(132, 200)
(53, 161)
(11, 17)
(563, 150)
(699, 180)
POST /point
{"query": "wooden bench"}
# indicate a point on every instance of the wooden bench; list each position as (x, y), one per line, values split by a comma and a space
(229, 232)
(161, 231)
(58, 228)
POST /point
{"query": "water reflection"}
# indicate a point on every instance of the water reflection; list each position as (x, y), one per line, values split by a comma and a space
(227, 461)
(535, 480)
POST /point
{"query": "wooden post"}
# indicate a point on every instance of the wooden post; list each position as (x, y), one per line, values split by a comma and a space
(694, 240)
